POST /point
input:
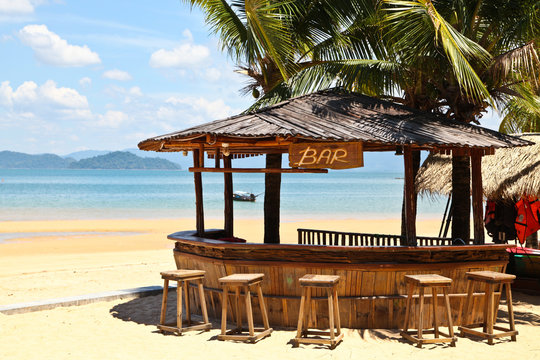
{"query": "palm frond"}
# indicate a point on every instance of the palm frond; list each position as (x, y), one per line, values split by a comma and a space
(418, 29)
(522, 61)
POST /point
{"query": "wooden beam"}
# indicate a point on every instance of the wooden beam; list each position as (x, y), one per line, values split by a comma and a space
(199, 219)
(272, 195)
(252, 170)
(216, 158)
(410, 214)
(477, 196)
(228, 193)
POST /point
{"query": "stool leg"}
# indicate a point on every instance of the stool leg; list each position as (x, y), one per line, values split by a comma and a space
(468, 304)
(309, 321)
(186, 297)
(179, 306)
(263, 307)
(491, 304)
(449, 315)
(510, 310)
(420, 315)
(336, 312)
(202, 300)
(238, 312)
(164, 302)
(249, 312)
(486, 307)
(301, 314)
(434, 306)
(331, 313)
(224, 310)
(408, 306)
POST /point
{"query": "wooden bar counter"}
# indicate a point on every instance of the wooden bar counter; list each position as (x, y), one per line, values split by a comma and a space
(372, 291)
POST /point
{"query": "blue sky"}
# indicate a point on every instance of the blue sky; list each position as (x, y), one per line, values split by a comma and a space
(104, 75)
(77, 75)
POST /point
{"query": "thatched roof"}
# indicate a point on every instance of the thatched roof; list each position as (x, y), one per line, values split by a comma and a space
(510, 173)
(334, 115)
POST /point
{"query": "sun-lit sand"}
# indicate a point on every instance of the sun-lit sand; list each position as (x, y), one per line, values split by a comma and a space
(87, 260)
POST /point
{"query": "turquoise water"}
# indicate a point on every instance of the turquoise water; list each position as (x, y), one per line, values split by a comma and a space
(28, 194)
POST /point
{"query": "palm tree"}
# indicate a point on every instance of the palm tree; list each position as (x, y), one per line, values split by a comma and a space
(271, 41)
(454, 58)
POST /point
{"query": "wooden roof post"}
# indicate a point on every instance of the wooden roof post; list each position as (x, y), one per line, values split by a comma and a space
(228, 193)
(198, 161)
(272, 194)
(477, 196)
(410, 213)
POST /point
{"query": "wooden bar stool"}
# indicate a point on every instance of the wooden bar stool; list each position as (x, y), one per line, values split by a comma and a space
(243, 281)
(490, 279)
(328, 282)
(422, 282)
(183, 277)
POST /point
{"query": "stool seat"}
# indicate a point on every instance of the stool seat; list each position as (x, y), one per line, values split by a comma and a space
(427, 280)
(183, 277)
(329, 282)
(176, 275)
(490, 279)
(423, 281)
(490, 276)
(243, 281)
(319, 280)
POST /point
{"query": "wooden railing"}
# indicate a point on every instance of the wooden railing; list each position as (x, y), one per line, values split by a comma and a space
(338, 238)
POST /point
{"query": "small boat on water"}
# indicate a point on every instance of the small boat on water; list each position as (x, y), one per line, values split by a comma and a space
(244, 196)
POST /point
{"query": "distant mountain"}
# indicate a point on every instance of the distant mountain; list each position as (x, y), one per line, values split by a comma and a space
(17, 160)
(123, 160)
(85, 154)
(111, 160)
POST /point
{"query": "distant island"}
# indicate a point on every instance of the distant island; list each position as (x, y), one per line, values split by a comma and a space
(113, 160)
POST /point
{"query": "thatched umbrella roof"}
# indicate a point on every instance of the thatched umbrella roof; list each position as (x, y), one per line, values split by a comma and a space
(510, 173)
(333, 115)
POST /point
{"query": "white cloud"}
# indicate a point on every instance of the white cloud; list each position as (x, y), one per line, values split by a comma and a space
(213, 109)
(51, 49)
(31, 96)
(112, 119)
(188, 35)
(85, 82)
(135, 91)
(65, 97)
(16, 7)
(184, 55)
(116, 74)
(212, 74)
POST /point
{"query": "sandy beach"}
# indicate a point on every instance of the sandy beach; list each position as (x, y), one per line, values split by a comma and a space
(100, 255)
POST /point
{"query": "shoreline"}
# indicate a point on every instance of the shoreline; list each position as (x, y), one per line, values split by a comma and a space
(107, 259)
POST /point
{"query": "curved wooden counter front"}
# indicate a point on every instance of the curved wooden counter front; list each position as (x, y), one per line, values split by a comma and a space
(372, 290)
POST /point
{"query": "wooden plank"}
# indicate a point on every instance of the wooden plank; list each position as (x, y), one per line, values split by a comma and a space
(198, 169)
(477, 196)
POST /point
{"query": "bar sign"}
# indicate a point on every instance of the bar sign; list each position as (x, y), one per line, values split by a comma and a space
(323, 155)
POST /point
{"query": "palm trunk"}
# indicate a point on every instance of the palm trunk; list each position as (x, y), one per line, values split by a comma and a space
(272, 196)
(461, 197)
(416, 166)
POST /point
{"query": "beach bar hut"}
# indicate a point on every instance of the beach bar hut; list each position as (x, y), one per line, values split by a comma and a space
(320, 131)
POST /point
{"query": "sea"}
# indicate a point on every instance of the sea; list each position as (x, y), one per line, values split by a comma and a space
(38, 194)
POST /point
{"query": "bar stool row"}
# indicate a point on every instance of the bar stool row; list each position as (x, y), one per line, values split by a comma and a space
(246, 282)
